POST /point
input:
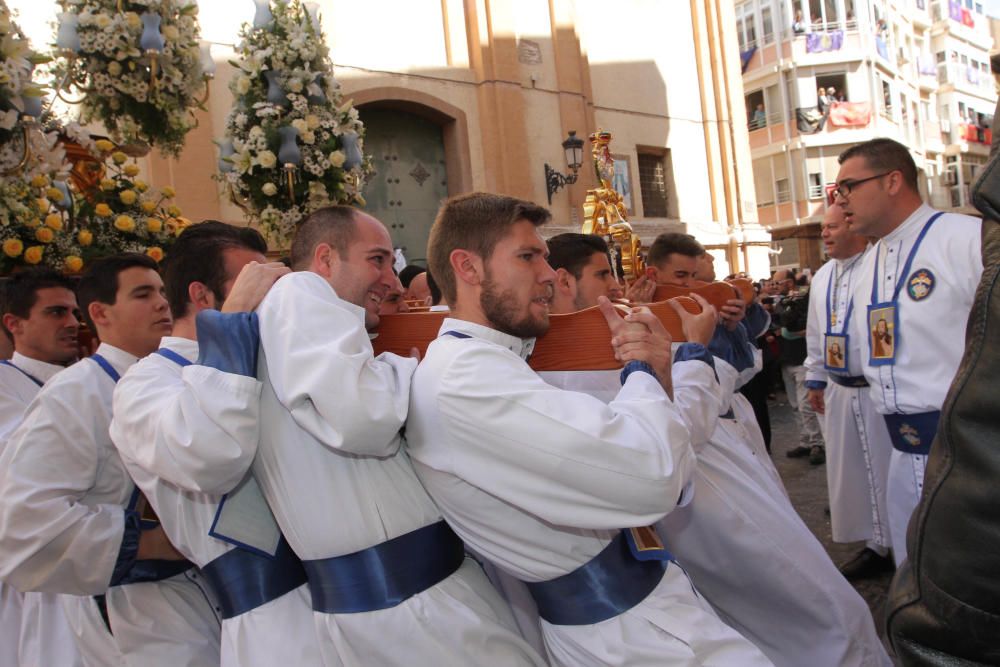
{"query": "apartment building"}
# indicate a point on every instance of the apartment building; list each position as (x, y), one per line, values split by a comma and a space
(822, 75)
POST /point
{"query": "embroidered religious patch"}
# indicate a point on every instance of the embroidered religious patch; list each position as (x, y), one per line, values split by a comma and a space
(910, 434)
(920, 284)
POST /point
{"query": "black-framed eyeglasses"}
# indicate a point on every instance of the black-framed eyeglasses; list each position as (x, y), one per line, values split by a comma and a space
(844, 188)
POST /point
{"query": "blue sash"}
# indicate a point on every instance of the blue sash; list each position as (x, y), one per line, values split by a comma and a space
(848, 380)
(23, 372)
(386, 574)
(913, 434)
(106, 367)
(611, 583)
(243, 580)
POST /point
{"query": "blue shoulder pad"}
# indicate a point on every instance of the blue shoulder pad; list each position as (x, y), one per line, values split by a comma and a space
(228, 341)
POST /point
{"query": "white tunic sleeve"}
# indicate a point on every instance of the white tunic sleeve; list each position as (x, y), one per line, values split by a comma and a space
(194, 427)
(322, 369)
(697, 395)
(50, 540)
(563, 456)
(815, 322)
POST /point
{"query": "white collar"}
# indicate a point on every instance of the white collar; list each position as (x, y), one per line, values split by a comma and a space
(119, 359)
(185, 347)
(41, 370)
(522, 347)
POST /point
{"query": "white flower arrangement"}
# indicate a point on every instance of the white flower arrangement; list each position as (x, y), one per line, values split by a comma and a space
(141, 95)
(292, 144)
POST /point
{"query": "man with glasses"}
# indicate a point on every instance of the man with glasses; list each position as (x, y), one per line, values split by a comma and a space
(920, 277)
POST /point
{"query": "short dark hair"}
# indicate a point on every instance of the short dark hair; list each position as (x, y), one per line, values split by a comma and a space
(409, 272)
(19, 293)
(885, 155)
(670, 243)
(100, 281)
(334, 225)
(475, 222)
(197, 256)
(434, 288)
(572, 251)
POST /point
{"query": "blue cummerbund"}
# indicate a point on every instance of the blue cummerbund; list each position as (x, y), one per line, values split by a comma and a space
(611, 583)
(243, 580)
(848, 380)
(913, 434)
(145, 571)
(386, 574)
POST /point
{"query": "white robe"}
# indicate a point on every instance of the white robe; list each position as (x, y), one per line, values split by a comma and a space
(746, 549)
(930, 341)
(185, 436)
(539, 480)
(857, 441)
(33, 627)
(63, 490)
(331, 467)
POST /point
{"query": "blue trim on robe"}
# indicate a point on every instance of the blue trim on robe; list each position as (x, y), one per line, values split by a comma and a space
(733, 347)
(228, 342)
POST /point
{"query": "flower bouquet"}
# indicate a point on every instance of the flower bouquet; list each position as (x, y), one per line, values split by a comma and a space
(139, 65)
(292, 145)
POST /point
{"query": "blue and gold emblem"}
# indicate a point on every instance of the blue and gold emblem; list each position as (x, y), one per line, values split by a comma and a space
(910, 435)
(920, 285)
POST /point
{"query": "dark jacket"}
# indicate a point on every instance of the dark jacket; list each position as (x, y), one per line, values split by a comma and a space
(944, 604)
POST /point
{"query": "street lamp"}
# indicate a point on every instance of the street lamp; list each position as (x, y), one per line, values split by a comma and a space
(573, 146)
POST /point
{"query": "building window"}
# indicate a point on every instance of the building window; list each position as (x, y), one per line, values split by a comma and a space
(784, 189)
(816, 186)
(746, 29)
(767, 24)
(836, 81)
(756, 110)
(785, 252)
(653, 184)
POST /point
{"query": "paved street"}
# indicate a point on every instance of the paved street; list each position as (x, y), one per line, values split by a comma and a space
(806, 486)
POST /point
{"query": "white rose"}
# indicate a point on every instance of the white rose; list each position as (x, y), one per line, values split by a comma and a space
(337, 158)
(114, 68)
(308, 137)
(266, 159)
(242, 85)
(103, 21)
(312, 121)
(300, 125)
(294, 85)
(269, 189)
(170, 33)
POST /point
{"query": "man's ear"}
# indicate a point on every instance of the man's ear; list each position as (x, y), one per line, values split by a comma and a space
(98, 313)
(467, 266)
(652, 274)
(12, 323)
(323, 257)
(201, 297)
(565, 282)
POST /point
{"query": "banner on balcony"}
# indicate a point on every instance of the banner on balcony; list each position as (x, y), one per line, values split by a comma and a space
(850, 114)
(817, 42)
(745, 57)
(926, 65)
(955, 10)
(882, 47)
(967, 18)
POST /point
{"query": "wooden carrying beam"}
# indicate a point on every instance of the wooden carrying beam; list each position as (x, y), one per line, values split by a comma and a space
(574, 341)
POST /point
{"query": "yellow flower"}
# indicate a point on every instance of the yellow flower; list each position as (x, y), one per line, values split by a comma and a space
(174, 211)
(13, 247)
(170, 33)
(124, 223)
(168, 191)
(128, 197)
(31, 223)
(102, 210)
(42, 205)
(102, 21)
(131, 170)
(312, 121)
(33, 255)
(44, 234)
(107, 184)
(114, 68)
(40, 181)
(140, 185)
(154, 225)
(54, 194)
(119, 157)
(133, 20)
(54, 221)
(104, 145)
(155, 252)
(148, 206)
(73, 263)
(84, 237)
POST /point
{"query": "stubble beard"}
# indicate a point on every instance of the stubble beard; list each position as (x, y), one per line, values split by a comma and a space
(501, 310)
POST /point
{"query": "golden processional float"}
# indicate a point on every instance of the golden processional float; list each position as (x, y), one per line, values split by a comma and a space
(579, 341)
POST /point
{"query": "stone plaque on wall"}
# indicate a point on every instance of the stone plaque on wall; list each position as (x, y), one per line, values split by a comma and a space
(529, 52)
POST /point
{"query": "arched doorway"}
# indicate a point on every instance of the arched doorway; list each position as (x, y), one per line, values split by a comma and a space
(411, 177)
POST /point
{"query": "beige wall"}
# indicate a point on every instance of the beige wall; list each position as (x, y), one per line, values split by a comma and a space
(658, 75)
